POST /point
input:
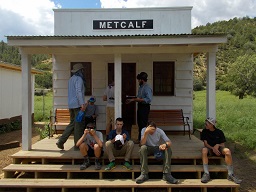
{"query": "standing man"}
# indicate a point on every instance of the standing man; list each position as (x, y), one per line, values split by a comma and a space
(91, 145)
(214, 140)
(76, 90)
(119, 144)
(109, 96)
(144, 98)
(155, 142)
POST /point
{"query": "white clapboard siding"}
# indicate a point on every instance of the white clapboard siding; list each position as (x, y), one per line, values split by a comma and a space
(165, 20)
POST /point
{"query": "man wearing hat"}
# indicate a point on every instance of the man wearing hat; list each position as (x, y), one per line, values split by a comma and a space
(143, 98)
(76, 90)
(214, 140)
(91, 111)
(155, 142)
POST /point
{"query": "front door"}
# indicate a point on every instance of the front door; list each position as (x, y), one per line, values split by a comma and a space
(128, 89)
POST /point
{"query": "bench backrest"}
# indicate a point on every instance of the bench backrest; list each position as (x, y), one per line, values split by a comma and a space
(167, 117)
(62, 115)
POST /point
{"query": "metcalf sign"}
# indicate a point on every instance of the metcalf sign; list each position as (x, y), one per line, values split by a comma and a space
(123, 24)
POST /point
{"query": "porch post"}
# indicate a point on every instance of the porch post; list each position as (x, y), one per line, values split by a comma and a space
(118, 85)
(211, 85)
(26, 101)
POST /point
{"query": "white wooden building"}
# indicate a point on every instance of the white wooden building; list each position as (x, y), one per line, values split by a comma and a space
(10, 91)
(119, 44)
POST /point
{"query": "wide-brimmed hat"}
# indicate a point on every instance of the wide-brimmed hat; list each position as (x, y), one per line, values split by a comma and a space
(77, 67)
(211, 120)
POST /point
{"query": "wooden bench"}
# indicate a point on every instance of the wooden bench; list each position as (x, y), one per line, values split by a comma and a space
(65, 184)
(61, 117)
(173, 117)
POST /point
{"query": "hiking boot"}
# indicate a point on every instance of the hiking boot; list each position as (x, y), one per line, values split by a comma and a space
(206, 178)
(234, 179)
(97, 165)
(142, 178)
(169, 178)
(127, 165)
(85, 165)
(60, 145)
(110, 166)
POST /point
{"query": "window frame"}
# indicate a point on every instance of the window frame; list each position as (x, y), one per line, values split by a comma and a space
(158, 68)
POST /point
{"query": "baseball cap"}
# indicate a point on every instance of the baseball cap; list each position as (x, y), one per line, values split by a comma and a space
(92, 99)
(119, 141)
(211, 120)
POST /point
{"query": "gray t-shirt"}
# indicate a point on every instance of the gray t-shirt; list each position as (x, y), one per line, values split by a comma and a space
(91, 110)
(90, 139)
(155, 138)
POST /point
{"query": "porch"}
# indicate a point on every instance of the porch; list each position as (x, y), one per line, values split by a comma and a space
(46, 168)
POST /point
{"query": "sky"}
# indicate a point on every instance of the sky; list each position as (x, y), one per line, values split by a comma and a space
(35, 17)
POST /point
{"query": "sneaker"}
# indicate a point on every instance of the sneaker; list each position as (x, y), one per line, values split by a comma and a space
(169, 178)
(127, 165)
(60, 145)
(110, 166)
(97, 165)
(85, 165)
(142, 178)
(234, 179)
(206, 178)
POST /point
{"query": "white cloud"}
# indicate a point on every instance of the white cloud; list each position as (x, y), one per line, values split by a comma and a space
(26, 17)
(204, 11)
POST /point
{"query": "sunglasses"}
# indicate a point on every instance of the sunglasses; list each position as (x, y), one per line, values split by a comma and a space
(90, 127)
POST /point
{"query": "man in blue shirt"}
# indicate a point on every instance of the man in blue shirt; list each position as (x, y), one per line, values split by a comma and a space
(76, 90)
(119, 144)
(144, 98)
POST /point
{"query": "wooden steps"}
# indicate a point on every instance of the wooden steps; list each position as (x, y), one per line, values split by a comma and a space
(66, 184)
(43, 170)
(46, 168)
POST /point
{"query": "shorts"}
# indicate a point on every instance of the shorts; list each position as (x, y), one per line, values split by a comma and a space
(211, 153)
(90, 152)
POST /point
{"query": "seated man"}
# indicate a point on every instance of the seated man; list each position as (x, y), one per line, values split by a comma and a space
(119, 144)
(151, 137)
(91, 111)
(214, 139)
(90, 145)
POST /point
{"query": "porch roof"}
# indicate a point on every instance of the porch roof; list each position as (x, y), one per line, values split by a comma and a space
(119, 43)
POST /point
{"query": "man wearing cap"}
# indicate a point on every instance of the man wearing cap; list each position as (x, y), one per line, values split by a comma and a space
(144, 98)
(119, 144)
(91, 111)
(214, 140)
(155, 142)
(76, 90)
(91, 145)
(109, 96)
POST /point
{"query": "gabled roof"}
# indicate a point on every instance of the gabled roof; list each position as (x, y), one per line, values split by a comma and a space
(17, 67)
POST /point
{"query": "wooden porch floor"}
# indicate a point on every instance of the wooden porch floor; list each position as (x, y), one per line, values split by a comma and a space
(182, 149)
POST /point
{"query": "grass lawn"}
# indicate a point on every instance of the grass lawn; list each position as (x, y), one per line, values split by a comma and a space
(234, 116)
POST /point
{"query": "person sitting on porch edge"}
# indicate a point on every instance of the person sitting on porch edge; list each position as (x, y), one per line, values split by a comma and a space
(119, 144)
(91, 145)
(151, 137)
(214, 140)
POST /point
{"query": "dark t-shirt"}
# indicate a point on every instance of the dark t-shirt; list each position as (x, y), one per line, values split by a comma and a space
(113, 134)
(213, 137)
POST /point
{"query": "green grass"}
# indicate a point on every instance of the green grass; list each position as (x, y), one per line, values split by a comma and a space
(236, 117)
(42, 107)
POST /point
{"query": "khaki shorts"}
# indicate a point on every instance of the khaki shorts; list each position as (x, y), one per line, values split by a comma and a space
(211, 153)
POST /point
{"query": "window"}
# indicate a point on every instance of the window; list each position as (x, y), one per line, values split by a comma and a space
(163, 78)
(87, 75)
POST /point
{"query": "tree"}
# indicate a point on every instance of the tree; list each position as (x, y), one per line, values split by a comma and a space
(242, 75)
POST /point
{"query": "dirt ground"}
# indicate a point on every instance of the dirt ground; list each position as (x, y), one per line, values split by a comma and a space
(244, 161)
